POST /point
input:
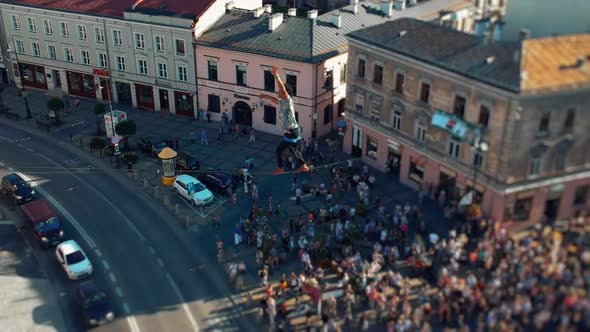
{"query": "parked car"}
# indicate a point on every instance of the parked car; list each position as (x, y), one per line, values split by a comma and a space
(95, 304)
(73, 260)
(17, 189)
(43, 222)
(193, 190)
(151, 146)
(186, 162)
(219, 182)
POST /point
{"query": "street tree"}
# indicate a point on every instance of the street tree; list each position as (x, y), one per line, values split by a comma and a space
(126, 129)
(55, 104)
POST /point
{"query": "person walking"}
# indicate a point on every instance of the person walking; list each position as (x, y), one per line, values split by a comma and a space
(294, 182)
(208, 117)
(219, 134)
(204, 137)
(77, 103)
(289, 123)
(252, 137)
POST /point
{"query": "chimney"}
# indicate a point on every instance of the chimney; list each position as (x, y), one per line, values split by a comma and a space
(268, 9)
(498, 31)
(387, 7)
(258, 11)
(229, 6)
(292, 12)
(274, 21)
(524, 34)
(336, 19)
(399, 5)
(312, 14)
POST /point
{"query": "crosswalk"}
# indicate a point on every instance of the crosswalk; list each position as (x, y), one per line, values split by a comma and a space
(77, 165)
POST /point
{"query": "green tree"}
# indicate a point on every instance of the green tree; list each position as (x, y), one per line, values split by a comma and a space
(126, 129)
(97, 143)
(55, 104)
(99, 108)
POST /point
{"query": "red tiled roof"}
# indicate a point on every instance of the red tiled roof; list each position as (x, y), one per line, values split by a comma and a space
(117, 7)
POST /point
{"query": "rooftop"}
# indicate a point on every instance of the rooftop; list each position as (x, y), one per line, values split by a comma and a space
(115, 8)
(301, 38)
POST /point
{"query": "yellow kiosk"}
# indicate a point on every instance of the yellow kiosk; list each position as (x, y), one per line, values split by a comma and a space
(167, 156)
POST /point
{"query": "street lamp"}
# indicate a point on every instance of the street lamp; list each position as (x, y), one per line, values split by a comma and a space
(22, 76)
(481, 147)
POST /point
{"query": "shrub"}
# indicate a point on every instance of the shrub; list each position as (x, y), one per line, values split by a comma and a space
(99, 108)
(55, 104)
(129, 157)
(97, 143)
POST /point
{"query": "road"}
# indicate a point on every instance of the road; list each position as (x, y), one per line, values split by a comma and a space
(146, 265)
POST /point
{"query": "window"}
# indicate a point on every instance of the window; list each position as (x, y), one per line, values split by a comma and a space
(329, 80)
(20, 46)
(424, 92)
(181, 73)
(361, 68)
(269, 81)
(68, 54)
(544, 123)
(142, 67)
(375, 110)
(359, 102)
(179, 46)
(81, 32)
(117, 38)
(535, 166)
(36, 49)
(31, 24)
(51, 51)
(292, 81)
(416, 170)
(372, 147)
(159, 44)
(581, 195)
(102, 60)
(270, 114)
(120, 60)
(478, 159)
(65, 29)
(569, 119)
(212, 70)
(85, 57)
(139, 41)
(328, 114)
(241, 77)
(214, 105)
(484, 116)
(162, 70)
(397, 120)
(378, 74)
(15, 22)
(459, 106)
(99, 35)
(343, 74)
(522, 208)
(47, 27)
(399, 82)
(455, 147)
(420, 132)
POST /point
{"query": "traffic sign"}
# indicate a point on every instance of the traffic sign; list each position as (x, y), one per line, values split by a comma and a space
(115, 139)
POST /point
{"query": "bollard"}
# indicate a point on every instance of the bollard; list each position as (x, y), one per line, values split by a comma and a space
(188, 221)
(145, 183)
(81, 144)
(156, 191)
(177, 208)
(71, 138)
(166, 200)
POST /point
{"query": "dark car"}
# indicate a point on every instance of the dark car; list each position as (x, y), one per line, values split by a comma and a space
(219, 182)
(43, 222)
(186, 162)
(95, 305)
(151, 146)
(17, 189)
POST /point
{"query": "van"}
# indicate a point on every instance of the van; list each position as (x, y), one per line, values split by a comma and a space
(43, 222)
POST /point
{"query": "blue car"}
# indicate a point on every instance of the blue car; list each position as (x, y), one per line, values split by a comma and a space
(17, 189)
(96, 307)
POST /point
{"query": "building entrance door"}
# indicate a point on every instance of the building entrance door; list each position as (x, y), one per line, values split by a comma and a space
(243, 114)
(56, 79)
(164, 103)
(105, 89)
(357, 142)
(123, 93)
(552, 208)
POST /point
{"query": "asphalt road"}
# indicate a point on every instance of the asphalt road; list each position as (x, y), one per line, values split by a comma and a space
(145, 265)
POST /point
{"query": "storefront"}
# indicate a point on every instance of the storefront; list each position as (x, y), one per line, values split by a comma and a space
(81, 84)
(33, 76)
(394, 157)
(447, 181)
(183, 103)
(417, 169)
(145, 96)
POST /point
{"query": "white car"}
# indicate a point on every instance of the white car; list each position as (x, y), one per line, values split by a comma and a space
(193, 190)
(73, 260)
